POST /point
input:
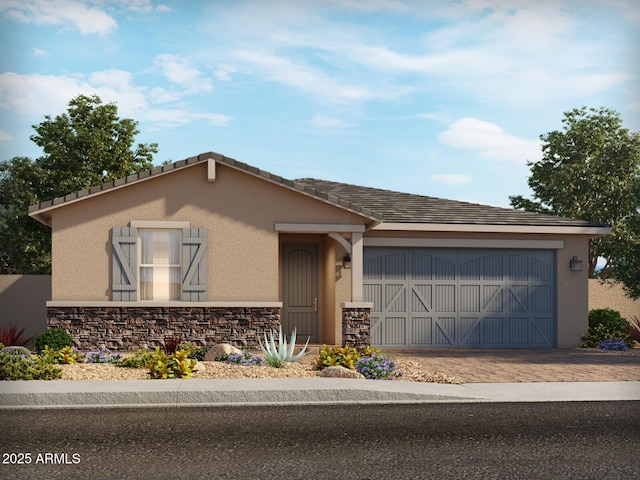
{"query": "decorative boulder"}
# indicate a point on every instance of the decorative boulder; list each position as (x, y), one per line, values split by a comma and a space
(340, 372)
(219, 350)
(198, 367)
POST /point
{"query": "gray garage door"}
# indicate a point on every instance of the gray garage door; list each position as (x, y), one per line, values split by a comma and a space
(466, 298)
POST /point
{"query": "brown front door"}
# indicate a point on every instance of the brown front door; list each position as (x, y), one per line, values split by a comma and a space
(300, 290)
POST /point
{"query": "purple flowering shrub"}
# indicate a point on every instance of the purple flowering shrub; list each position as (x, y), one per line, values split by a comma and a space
(613, 345)
(245, 359)
(377, 367)
(104, 355)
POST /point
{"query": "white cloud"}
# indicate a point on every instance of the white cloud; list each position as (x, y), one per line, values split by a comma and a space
(88, 20)
(451, 179)
(5, 137)
(313, 80)
(321, 121)
(143, 6)
(490, 141)
(440, 116)
(503, 53)
(176, 117)
(37, 52)
(223, 71)
(39, 95)
(371, 5)
(179, 71)
(162, 95)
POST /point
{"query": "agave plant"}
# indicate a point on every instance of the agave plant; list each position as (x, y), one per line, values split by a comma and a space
(278, 355)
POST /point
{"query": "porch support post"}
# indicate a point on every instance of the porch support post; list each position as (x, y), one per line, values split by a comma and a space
(357, 262)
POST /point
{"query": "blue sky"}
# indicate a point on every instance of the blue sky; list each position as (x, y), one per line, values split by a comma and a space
(437, 97)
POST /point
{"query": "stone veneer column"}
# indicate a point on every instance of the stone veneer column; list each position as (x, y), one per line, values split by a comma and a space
(132, 328)
(356, 324)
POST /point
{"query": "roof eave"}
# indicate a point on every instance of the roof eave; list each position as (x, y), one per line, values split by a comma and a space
(40, 216)
(591, 230)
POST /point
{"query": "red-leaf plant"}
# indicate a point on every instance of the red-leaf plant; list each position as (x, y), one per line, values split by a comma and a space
(11, 336)
(171, 344)
(634, 328)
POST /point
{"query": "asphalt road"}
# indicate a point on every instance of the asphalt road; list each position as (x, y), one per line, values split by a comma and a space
(537, 441)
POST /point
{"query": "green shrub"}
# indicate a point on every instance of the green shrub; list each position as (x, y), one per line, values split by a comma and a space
(55, 338)
(66, 355)
(606, 324)
(17, 367)
(337, 356)
(342, 356)
(176, 365)
(193, 351)
(138, 360)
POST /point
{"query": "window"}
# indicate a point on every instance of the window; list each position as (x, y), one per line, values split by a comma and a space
(160, 269)
(159, 261)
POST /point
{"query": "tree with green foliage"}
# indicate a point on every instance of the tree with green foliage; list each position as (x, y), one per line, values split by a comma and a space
(86, 146)
(591, 171)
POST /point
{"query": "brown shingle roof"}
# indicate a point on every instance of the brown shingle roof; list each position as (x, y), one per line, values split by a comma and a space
(376, 204)
(397, 207)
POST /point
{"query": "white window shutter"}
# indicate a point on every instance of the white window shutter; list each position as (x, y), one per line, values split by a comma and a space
(125, 264)
(194, 264)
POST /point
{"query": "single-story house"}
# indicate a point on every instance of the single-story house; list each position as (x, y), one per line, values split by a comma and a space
(214, 250)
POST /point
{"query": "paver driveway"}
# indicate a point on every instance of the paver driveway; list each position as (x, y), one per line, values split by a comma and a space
(557, 365)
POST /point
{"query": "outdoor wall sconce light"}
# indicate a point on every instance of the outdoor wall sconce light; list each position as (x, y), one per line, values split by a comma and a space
(575, 265)
(346, 261)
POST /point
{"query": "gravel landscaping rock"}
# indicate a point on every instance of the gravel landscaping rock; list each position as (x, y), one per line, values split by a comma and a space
(412, 372)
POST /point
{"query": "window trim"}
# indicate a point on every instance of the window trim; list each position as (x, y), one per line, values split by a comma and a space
(158, 224)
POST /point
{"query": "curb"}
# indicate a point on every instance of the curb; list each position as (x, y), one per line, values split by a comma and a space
(308, 391)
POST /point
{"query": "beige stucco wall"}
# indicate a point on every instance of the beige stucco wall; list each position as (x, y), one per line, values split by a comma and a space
(611, 295)
(22, 302)
(573, 293)
(238, 210)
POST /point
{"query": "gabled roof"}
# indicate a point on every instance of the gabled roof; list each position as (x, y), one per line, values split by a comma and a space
(377, 205)
(41, 211)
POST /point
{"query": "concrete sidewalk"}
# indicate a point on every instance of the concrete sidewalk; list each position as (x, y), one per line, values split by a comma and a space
(193, 392)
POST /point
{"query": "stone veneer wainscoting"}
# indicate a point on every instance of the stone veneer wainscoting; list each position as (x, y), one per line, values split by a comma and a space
(356, 326)
(131, 328)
